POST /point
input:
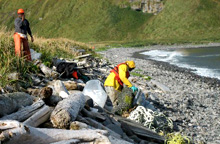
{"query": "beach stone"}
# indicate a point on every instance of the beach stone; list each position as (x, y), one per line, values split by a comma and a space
(193, 100)
(115, 128)
(11, 102)
(153, 96)
(53, 100)
(107, 121)
(89, 101)
(99, 109)
(135, 138)
(125, 100)
(125, 137)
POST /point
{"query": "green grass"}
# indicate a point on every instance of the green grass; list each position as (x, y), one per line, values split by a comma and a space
(138, 70)
(186, 22)
(137, 74)
(10, 63)
(140, 75)
(80, 20)
(181, 21)
(49, 48)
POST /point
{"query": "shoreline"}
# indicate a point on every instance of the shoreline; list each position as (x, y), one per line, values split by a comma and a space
(174, 46)
(136, 50)
(188, 71)
(193, 100)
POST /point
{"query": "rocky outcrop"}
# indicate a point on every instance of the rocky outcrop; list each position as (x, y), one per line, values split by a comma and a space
(147, 6)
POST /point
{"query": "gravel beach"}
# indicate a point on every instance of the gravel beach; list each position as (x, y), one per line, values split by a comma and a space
(193, 102)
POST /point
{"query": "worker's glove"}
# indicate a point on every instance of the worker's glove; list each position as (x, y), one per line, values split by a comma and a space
(133, 88)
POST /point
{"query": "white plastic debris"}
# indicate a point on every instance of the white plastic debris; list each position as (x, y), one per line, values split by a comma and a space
(94, 89)
(35, 55)
(63, 94)
(61, 89)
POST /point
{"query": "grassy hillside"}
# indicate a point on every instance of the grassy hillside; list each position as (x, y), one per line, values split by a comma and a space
(186, 21)
(49, 48)
(81, 20)
(103, 21)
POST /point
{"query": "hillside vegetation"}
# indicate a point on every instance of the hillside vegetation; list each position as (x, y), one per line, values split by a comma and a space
(49, 48)
(186, 21)
(81, 20)
(106, 22)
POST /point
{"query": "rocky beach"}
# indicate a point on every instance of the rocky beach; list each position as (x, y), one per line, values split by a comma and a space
(192, 101)
(56, 105)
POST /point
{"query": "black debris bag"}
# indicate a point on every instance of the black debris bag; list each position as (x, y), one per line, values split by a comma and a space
(66, 69)
(69, 70)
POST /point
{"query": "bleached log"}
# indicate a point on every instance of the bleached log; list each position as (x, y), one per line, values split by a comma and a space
(115, 140)
(76, 125)
(74, 91)
(139, 130)
(61, 89)
(11, 102)
(81, 63)
(15, 132)
(72, 141)
(39, 117)
(67, 110)
(81, 119)
(48, 72)
(97, 125)
(83, 56)
(70, 85)
(25, 112)
(42, 93)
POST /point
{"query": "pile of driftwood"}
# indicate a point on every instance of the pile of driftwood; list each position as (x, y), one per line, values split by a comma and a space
(54, 110)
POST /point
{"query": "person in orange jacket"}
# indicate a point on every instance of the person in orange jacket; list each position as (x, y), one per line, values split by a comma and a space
(117, 78)
(22, 27)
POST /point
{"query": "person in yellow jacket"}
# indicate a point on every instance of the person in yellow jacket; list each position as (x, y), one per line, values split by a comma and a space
(117, 78)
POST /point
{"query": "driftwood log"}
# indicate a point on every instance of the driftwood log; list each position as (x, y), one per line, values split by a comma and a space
(93, 115)
(10, 103)
(83, 56)
(115, 140)
(42, 93)
(48, 72)
(25, 112)
(98, 125)
(76, 125)
(72, 141)
(39, 117)
(67, 110)
(15, 132)
(139, 130)
(53, 100)
(70, 85)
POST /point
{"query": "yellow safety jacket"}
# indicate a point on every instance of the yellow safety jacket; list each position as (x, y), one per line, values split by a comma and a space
(111, 80)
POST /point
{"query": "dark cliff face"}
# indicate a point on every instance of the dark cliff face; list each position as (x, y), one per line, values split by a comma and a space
(147, 6)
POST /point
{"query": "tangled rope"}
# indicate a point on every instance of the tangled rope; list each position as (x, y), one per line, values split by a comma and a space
(153, 120)
(177, 138)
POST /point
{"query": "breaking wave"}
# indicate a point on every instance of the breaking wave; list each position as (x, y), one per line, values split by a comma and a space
(179, 59)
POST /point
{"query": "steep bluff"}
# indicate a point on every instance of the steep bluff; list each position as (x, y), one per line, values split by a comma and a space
(146, 6)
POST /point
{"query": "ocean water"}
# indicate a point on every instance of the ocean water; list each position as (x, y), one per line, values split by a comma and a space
(202, 61)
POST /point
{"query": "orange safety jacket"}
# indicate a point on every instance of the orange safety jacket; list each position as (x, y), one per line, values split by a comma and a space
(116, 72)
